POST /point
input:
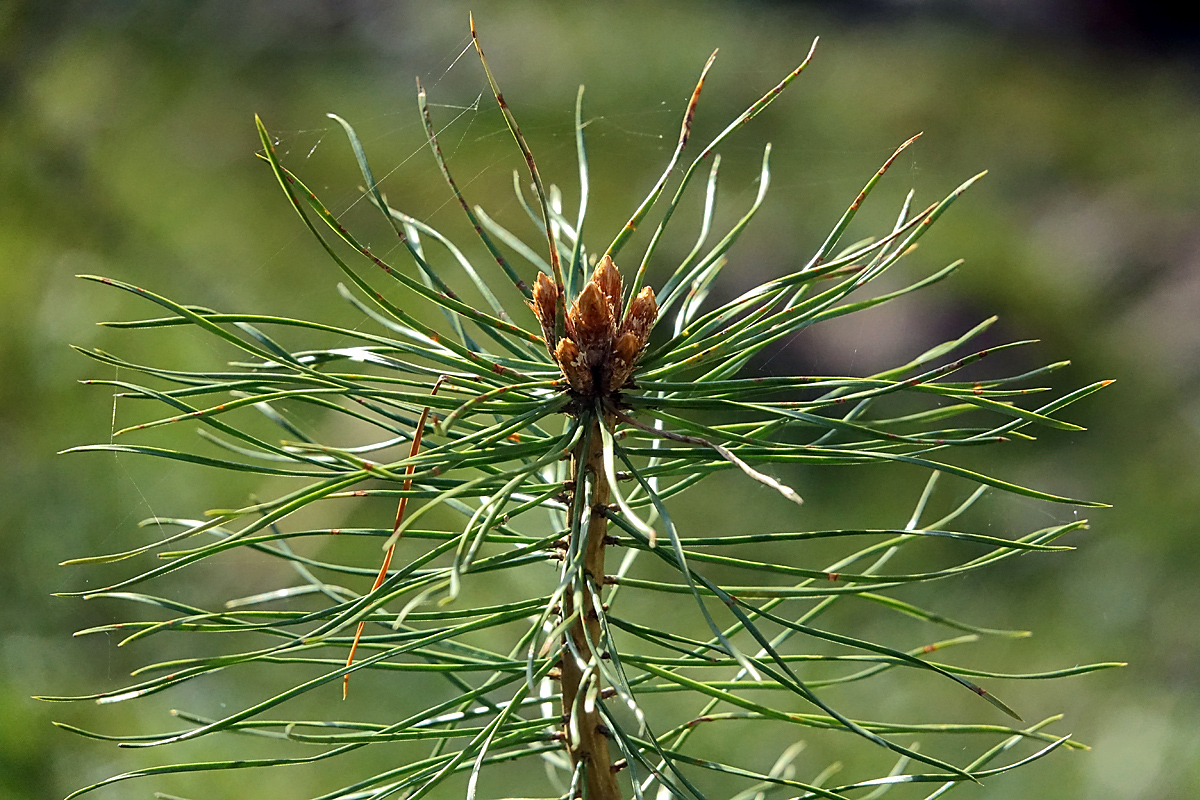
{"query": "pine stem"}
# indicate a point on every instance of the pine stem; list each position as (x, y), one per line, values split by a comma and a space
(592, 743)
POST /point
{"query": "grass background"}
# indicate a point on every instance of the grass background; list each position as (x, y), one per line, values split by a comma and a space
(127, 149)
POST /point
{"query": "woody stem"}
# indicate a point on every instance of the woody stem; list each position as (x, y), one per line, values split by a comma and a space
(587, 740)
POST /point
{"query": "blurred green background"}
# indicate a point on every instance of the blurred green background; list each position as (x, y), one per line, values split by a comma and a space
(127, 149)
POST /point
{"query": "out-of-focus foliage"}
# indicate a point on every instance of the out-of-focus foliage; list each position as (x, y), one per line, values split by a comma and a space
(126, 148)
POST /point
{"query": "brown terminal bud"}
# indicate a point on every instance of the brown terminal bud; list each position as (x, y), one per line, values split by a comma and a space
(544, 305)
(608, 278)
(594, 324)
(624, 355)
(643, 311)
(574, 366)
(597, 356)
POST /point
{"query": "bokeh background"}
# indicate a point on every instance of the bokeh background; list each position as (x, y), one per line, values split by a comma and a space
(127, 149)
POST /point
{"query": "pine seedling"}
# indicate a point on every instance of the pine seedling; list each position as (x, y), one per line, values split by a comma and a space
(534, 452)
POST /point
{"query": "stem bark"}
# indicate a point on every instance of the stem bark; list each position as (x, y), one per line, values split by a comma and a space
(592, 743)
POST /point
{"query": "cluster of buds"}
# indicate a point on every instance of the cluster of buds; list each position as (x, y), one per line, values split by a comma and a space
(598, 350)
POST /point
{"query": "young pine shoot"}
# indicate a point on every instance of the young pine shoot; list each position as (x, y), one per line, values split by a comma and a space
(523, 604)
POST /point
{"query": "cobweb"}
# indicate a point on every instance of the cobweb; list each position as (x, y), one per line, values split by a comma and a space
(459, 127)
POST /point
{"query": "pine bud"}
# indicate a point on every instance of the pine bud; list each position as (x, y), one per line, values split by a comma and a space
(643, 311)
(545, 300)
(624, 355)
(595, 355)
(574, 366)
(608, 278)
(594, 324)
